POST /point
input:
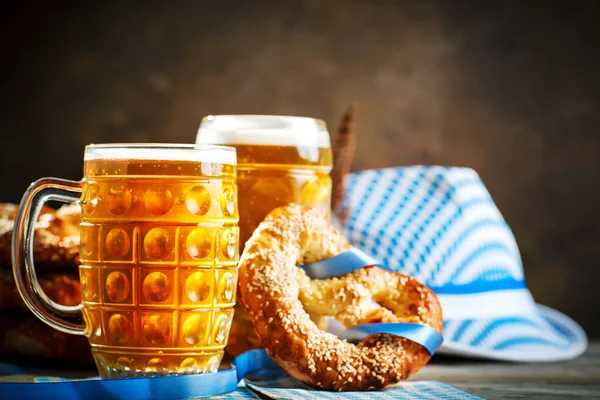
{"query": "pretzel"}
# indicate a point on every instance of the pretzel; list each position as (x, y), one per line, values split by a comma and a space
(278, 297)
(29, 341)
(56, 240)
(62, 288)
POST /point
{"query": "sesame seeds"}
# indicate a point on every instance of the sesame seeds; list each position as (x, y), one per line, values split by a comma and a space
(279, 296)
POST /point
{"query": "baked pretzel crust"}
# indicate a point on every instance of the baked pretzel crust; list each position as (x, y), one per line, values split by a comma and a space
(56, 237)
(62, 288)
(278, 297)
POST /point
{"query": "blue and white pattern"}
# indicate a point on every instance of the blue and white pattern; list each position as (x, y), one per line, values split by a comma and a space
(440, 225)
(290, 389)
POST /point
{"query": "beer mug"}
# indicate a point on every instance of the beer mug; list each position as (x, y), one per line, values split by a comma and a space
(281, 160)
(159, 250)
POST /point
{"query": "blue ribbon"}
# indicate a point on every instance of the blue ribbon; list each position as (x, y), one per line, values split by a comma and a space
(425, 335)
(224, 381)
(252, 362)
(342, 264)
(172, 387)
(353, 259)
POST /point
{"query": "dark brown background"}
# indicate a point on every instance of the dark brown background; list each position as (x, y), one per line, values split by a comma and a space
(510, 88)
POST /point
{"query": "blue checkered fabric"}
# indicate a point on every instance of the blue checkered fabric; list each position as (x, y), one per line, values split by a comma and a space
(287, 389)
(437, 224)
(241, 393)
(441, 226)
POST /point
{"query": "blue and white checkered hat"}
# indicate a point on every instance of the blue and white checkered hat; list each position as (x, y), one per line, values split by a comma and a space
(441, 226)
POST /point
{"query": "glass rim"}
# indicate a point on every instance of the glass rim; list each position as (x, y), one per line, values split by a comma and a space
(162, 151)
(150, 146)
(269, 116)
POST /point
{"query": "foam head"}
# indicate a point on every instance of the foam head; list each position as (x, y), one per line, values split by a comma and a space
(267, 130)
(162, 152)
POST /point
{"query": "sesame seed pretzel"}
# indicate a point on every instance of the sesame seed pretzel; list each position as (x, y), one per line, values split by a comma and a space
(278, 297)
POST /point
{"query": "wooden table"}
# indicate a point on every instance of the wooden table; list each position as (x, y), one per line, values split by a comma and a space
(575, 379)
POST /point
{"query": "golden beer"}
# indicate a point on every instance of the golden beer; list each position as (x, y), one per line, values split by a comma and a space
(159, 250)
(281, 160)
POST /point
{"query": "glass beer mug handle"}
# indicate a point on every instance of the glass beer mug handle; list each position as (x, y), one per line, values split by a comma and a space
(64, 318)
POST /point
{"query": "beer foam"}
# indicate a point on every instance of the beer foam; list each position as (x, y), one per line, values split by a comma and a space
(162, 152)
(266, 130)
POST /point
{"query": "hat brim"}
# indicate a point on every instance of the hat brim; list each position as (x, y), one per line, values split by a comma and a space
(546, 336)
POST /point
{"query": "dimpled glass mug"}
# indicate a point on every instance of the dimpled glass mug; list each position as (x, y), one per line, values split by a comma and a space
(159, 249)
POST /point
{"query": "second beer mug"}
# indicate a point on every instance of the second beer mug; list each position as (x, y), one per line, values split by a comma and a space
(159, 250)
(281, 160)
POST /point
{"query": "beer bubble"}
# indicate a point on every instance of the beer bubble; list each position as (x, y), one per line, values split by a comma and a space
(158, 200)
(117, 286)
(157, 329)
(194, 329)
(158, 243)
(120, 328)
(117, 242)
(156, 286)
(198, 200)
(118, 199)
(197, 286)
(198, 243)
